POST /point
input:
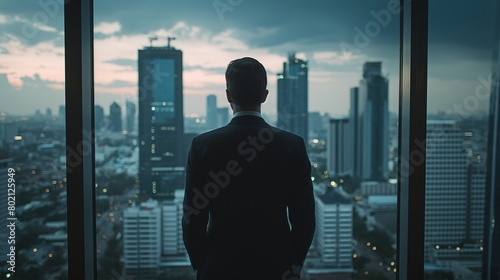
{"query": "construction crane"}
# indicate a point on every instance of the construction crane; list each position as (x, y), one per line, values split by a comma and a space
(155, 38)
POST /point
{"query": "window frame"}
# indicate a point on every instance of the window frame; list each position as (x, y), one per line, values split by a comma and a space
(79, 45)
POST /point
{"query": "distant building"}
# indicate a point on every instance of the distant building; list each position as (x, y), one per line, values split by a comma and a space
(222, 116)
(491, 258)
(61, 116)
(334, 222)
(172, 242)
(339, 142)
(212, 112)
(316, 125)
(378, 188)
(130, 117)
(355, 131)
(293, 97)
(153, 240)
(142, 239)
(373, 123)
(161, 122)
(98, 117)
(48, 113)
(454, 193)
(115, 117)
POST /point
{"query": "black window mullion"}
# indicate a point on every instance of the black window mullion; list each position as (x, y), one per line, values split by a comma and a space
(412, 136)
(78, 30)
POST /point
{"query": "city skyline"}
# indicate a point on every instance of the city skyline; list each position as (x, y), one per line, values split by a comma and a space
(32, 66)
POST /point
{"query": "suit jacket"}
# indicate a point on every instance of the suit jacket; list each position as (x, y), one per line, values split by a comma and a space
(248, 205)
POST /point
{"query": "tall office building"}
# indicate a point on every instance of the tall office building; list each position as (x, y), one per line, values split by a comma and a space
(211, 112)
(161, 122)
(454, 192)
(293, 97)
(354, 131)
(373, 123)
(141, 239)
(115, 117)
(338, 147)
(98, 117)
(491, 257)
(48, 113)
(333, 236)
(130, 117)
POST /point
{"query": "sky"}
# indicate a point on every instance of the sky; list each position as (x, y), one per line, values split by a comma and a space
(335, 37)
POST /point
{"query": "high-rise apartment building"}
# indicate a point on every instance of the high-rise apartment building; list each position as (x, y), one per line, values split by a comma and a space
(293, 97)
(333, 236)
(172, 242)
(142, 239)
(373, 123)
(158, 226)
(161, 121)
(115, 117)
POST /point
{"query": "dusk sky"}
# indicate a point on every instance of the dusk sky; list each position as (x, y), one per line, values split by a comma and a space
(335, 37)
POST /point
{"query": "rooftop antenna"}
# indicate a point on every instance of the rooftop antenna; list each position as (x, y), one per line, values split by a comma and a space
(168, 41)
(151, 39)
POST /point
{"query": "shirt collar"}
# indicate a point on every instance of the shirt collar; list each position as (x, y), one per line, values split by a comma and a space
(247, 113)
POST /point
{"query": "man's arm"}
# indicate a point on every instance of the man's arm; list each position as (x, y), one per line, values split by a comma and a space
(195, 214)
(301, 209)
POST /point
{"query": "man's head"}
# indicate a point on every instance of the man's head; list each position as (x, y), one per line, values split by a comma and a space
(246, 82)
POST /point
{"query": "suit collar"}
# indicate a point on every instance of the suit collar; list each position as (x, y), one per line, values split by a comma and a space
(247, 120)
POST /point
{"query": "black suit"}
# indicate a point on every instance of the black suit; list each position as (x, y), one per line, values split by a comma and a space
(240, 181)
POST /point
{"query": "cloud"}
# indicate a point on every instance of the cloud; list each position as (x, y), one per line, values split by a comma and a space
(44, 59)
(107, 28)
(337, 58)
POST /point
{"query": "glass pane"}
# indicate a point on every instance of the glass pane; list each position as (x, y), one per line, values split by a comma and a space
(159, 81)
(461, 45)
(33, 238)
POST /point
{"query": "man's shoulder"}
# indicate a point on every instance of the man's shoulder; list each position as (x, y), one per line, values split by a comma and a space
(265, 130)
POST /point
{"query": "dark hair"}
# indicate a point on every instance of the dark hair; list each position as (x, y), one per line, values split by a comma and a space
(246, 80)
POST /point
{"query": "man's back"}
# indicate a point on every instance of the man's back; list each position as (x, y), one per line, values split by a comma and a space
(243, 178)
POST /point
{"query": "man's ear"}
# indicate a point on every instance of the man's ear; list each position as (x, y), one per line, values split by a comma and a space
(229, 96)
(264, 96)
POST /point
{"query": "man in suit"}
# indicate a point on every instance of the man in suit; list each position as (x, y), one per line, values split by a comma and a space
(248, 205)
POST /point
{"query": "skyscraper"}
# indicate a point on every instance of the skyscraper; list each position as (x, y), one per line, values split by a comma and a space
(454, 191)
(491, 257)
(293, 97)
(373, 122)
(130, 117)
(338, 140)
(161, 121)
(211, 111)
(354, 131)
(115, 117)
